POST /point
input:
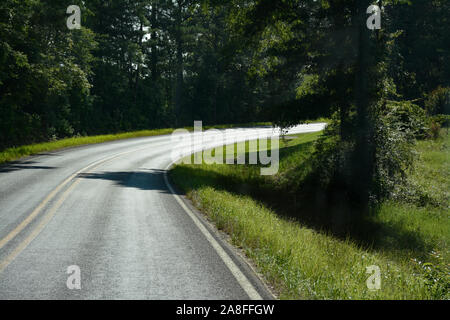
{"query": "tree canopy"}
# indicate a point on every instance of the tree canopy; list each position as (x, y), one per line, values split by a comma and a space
(140, 64)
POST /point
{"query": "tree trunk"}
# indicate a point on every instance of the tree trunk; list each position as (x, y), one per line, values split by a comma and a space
(154, 53)
(179, 65)
(364, 147)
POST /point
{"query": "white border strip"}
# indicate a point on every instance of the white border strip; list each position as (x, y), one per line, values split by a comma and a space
(234, 269)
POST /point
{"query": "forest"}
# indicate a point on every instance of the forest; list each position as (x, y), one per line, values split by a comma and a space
(147, 64)
(371, 189)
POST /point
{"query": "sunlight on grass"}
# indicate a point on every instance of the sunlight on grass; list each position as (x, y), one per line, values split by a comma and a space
(410, 243)
(12, 154)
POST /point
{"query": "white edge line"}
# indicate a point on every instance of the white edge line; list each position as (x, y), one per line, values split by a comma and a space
(234, 269)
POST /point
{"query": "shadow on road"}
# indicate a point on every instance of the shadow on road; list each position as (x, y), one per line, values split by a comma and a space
(145, 179)
(25, 165)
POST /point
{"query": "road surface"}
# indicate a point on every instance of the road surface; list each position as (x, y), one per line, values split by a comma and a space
(108, 210)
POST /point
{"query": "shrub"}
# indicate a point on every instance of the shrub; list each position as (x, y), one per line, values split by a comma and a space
(442, 120)
(435, 130)
(407, 117)
(396, 125)
(438, 101)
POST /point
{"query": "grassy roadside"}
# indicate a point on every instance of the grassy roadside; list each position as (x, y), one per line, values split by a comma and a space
(16, 153)
(408, 242)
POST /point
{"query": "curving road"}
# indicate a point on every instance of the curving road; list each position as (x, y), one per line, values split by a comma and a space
(107, 209)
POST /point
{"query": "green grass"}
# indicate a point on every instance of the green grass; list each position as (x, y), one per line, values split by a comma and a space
(432, 172)
(427, 225)
(302, 261)
(228, 126)
(16, 153)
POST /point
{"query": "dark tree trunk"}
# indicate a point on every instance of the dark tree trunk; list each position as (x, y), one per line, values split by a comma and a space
(364, 147)
(154, 53)
(179, 87)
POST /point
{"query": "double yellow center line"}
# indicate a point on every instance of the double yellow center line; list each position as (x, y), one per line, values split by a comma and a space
(51, 212)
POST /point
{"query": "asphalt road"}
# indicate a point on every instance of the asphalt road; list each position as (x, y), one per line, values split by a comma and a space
(107, 209)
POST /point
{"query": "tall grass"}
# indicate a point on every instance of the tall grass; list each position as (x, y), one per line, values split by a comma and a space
(408, 242)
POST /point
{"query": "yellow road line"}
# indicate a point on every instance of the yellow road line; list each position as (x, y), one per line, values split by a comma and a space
(48, 216)
(35, 212)
(52, 194)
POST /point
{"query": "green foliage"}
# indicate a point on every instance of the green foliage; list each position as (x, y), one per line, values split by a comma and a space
(305, 260)
(438, 102)
(156, 63)
(396, 129)
(406, 117)
(420, 63)
(437, 276)
(435, 130)
(134, 65)
(146, 64)
(397, 125)
(320, 57)
(45, 71)
(442, 120)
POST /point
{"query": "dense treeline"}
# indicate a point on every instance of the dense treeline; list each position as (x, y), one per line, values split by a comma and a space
(133, 65)
(141, 64)
(384, 88)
